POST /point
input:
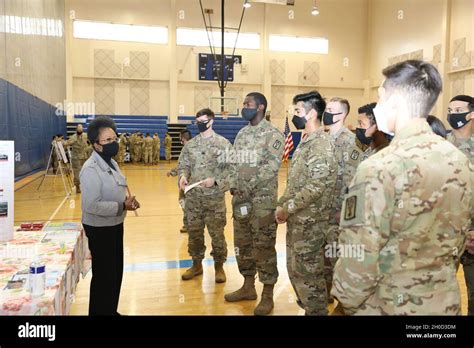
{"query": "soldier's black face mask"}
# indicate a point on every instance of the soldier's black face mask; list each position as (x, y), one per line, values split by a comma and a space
(79, 132)
(360, 133)
(458, 120)
(299, 122)
(202, 126)
(249, 114)
(110, 150)
(328, 118)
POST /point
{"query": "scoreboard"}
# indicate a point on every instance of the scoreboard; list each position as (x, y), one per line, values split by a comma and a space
(209, 67)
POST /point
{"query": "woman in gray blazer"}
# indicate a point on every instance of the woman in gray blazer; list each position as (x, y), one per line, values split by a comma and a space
(104, 206)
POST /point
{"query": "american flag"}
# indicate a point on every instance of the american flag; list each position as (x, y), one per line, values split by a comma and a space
(288, 141)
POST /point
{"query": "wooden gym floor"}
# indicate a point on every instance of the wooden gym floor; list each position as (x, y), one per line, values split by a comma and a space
(156, 252)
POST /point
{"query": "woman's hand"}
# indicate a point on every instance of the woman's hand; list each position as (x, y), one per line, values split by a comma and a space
(131, 203)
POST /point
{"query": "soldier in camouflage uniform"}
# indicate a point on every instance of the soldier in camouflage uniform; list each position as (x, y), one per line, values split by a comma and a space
(201, 159)
(306, 205)
(258, 150)
(148, 149)
(138, 148)
(156, 149)
(79, 146)
(185, 137)
(168, 143)
(348, 157)
(460, 115)
(131, 146)
(368, 138)
(122, 148)
(408, 210)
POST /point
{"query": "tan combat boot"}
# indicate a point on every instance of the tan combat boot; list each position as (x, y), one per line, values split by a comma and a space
(194, 271)
(266, 302)
(220, 274)
(246, 292)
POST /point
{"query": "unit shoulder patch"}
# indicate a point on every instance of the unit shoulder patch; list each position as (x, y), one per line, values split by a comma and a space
(353, 208)
(277, 144)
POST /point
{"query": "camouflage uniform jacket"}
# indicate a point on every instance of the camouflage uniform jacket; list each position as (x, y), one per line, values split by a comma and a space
(348, 156)
(258, 152)
(311, 180)
(410, 208)
(202, 158)
(78, 144)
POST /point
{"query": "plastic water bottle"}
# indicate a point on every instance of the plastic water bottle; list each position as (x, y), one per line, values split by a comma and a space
(37, 278)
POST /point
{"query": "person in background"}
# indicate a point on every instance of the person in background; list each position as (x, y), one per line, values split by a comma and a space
(348, 157)
(104, 206)
(168, 143)
(460, 115)
(148, 150)
(156, 148)
(368, 138)
(79, 153)
(185, 136)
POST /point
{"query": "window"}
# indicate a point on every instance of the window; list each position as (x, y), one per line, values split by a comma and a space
(120, 32)
(31, 26)
(199, 37)
(298, 44)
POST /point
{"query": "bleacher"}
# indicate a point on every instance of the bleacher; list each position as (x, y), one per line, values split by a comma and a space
(228, 127)
(131, 124)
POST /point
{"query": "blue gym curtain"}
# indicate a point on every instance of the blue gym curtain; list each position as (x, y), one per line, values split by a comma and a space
(31, 123)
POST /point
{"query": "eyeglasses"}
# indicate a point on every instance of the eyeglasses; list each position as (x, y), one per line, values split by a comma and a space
(108, 141)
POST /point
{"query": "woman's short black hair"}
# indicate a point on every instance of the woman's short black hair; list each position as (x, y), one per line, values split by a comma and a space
(437, 126)
(97, 124)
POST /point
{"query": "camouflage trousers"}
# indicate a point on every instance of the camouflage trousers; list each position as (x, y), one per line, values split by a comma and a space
(255, 238)
(467, 261)
(332, 236)
(205, 211)
(305, 263)
(182, 198)
(147, 156)
(156, 156)
(168, 154)
(137, 155)
(76, 168)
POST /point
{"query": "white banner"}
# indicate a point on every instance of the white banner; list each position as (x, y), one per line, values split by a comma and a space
(7, 189)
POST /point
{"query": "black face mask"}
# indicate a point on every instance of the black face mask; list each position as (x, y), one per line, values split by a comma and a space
(79, 133)
(110, 150)
(202, 126)
(458, 120)
(360, 133)
(328, 118)
(299, 122)
(249, 114)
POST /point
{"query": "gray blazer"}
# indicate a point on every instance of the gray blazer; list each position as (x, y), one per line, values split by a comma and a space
(103, 193)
